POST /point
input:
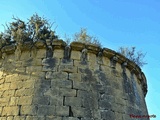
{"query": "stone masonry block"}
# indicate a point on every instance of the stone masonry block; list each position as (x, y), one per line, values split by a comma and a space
(4, 101)
(25, 100)
(8, 93)
(1, 74)
(25, 55)
(27, 62)
(49, 62)
(118, 93)
(119, 68)
(42, 100)
(118, 108)
(57, 75)
(0, 109)
(3, 118)
(20, 70)
(107, 115)
(75, 76)
(70, 118)
(78, 111)
(2, 80)
(33, 69)
(32, 62)
(17, 63)
(80, 85)
(62, 83)
(52, 92)
(1, 93)
(28, 110)
(16, 85)
(13, 110)
(73, 101)
(105, 105)
(35, 118)
(38, 74)
(91, 57)
(23, 77)
(56, 100)
(41, 53)
(77, 63)
(76, 55)
(29, 84)
(53, 118)
(24, 92)
(62, 110)
(10, 118)
(37, 62)
(49, 68)
(46, 110)
(68, 68)
(19, 117)
(109, 98)
(121, 101)
(106, 61)
(68, 92)
(14, 101)
(58, 53)
(4, 86)
(118, 116)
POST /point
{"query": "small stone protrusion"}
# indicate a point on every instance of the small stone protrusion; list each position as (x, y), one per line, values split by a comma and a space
(84, 56)
(18, 53)
(124, 64)
(114, 60)
(99, 58)
(67, 53)
(49, 48)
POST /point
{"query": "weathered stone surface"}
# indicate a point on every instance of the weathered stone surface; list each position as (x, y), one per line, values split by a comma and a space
(80, 85)
(68, 68)
(58, 53)
(37, 84)
(12, 110)
(68, 92)
(56, 100)
(78, 111)
(25, 100)
(28, 110)
(73, 101)
(14, 101)
(40, 53)
(76, 55)
(63, 83)
(57, 75)
(107, 115)
(70, 118)
(46, 110)
(77, 45)
(75, 76)
(4, 101)
(62, 110)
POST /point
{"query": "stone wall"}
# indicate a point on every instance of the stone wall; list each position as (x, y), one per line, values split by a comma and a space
(76, 82)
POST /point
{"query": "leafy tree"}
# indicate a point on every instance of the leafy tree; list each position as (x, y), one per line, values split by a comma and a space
(133, 55)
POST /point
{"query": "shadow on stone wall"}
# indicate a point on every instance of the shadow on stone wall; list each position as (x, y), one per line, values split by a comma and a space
(76, 82)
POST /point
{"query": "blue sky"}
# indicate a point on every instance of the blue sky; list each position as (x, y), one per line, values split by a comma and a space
(115, 22)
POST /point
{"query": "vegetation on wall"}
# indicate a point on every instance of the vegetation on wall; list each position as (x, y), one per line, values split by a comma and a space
(38, 28)
(133, 55)
(18, 31)
(84, 37)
